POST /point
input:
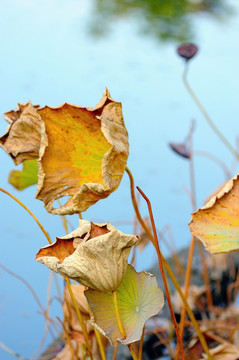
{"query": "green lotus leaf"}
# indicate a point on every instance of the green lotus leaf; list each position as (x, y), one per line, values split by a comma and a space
(139, 298)
(21, 179)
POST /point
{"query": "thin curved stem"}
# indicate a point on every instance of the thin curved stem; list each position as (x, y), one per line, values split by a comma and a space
(66, 279)
(27, 285)
(192, 248)
(167, 267)
(160, 261)
(29, 211)
(216, 160)
(11, 352)
(206, 115)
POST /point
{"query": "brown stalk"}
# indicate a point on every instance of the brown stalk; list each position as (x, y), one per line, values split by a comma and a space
(173, 253)
(167, 267)
(192, 247)
(162, 272)
(115, 352)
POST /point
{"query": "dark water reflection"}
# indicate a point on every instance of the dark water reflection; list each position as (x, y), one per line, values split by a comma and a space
(164, 19)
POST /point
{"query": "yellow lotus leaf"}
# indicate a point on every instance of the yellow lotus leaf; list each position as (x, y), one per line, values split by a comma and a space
(22, 139)
(95, 255)
(217, 223)
(83, 154)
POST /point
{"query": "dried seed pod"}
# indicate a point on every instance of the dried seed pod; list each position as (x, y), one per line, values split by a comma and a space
(187, 50)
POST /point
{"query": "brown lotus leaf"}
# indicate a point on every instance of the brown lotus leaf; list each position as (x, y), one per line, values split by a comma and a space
(22, 139)
(194, 350)
(60, 249)
(83, 154)
(97, 230)
(14, 115)
(99, 263)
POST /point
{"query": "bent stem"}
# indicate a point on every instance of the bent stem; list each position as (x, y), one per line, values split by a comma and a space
(192, 247)
(66, 279)
(160, 261)
(29, 211)
(169, 271)
(120, 325)
(206, 115)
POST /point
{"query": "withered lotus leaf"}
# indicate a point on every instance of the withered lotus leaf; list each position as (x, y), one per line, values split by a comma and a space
(83, 154)
(13, 115)
(139, 298)
(22, 139)
(95, 258)
(217, 223)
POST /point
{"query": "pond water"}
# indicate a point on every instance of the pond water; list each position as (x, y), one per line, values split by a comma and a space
(68, 51)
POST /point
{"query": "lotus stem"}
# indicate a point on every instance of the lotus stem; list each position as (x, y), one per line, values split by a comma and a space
(120, 325)
(82, 324)
(115, 352)
(29, 211)
(133, 353)
(141, 344)
(162, 273)
(192, 247)
(99, 341)
(66, 279)
(67, 339)
(121, 328)
(169, 271)
(206, 115)
(11, 352)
